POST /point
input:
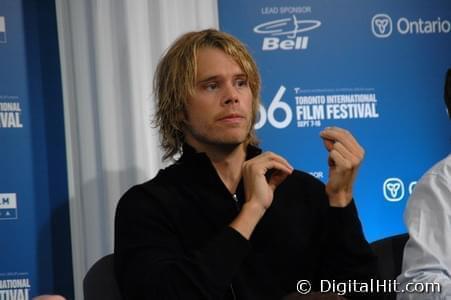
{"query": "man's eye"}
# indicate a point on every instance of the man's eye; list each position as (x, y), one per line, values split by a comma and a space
(211, 86)
(241, 82)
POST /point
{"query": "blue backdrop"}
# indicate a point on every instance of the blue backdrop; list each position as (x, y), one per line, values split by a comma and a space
(375, 68)
(34, 219)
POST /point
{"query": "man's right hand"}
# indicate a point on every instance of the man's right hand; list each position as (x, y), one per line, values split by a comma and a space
(259, 187)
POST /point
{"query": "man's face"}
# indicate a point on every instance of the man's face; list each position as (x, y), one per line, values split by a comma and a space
(220, 110)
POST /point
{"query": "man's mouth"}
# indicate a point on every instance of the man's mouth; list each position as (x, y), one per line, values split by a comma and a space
(231, 118)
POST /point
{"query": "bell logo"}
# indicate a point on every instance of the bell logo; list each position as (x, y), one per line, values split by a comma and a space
(273, 43)
(289, 28)
(393, 189)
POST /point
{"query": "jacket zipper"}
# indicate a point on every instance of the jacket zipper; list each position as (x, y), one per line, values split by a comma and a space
(235, 199)
(233, 292)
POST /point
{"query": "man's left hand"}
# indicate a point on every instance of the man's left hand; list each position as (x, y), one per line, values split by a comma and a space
(345, 156)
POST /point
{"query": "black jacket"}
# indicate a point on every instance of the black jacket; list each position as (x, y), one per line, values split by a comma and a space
(172, 239)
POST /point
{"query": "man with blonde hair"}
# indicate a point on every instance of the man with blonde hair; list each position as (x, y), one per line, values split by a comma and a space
(227, 221)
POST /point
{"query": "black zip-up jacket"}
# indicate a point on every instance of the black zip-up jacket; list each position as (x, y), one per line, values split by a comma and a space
(172, 239)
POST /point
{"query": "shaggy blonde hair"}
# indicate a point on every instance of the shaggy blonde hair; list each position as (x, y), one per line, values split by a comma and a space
(175, 79)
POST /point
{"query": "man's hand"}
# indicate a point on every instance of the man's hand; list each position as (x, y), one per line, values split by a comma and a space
(261, 176)
(345, 156)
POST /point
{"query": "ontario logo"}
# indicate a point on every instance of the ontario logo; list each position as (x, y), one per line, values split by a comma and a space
(283, 33)
(382, 25)
(393, 189)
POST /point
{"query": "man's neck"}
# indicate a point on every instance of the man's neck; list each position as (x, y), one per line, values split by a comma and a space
(228, 162)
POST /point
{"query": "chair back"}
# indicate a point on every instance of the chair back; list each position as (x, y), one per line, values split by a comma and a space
(100, 282)
(389, 252)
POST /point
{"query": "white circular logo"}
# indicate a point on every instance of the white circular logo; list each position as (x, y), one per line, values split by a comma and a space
(381, 25)
(393, 189)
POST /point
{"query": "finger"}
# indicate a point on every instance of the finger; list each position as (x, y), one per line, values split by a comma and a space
(337, 134)
(276, 179)
(355, 159)
(264, 164)
(278, 166)
(271, 156)
(334, 130)
(330, 162)
(329, 144)
(339, 160)
(343, 136)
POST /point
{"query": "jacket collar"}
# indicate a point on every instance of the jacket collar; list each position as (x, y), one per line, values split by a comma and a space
(208, 192)
(190, 154)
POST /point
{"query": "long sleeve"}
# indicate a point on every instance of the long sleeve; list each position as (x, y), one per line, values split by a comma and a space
(172, 239)
(350, 257)
(427, 255)
(344, 253)
(151, 262)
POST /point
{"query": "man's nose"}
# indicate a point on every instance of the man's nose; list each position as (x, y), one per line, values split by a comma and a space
(230, 95)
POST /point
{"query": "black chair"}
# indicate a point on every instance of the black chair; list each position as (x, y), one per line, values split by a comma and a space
(389, 252)
(100, 282)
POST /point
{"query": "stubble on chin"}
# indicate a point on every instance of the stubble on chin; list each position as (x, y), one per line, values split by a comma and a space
(216, 136)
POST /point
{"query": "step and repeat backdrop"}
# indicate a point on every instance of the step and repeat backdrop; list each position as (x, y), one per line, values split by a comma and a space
(35, 254)
(376, 68)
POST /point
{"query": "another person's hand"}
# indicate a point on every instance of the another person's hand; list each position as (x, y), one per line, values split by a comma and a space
(345, 156)
(49, 297)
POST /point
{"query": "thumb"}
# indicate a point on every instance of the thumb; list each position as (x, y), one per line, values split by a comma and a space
(329, 144)
(277, 178)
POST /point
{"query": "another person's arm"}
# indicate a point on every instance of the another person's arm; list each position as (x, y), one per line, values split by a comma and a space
(427, 255)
